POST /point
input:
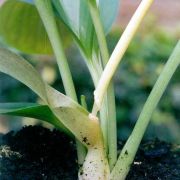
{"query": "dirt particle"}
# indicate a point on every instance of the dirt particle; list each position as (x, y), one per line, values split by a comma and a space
(85, 139)
(81, 172)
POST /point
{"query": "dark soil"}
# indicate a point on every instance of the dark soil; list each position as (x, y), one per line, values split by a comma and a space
(36, 153)
(156, 160)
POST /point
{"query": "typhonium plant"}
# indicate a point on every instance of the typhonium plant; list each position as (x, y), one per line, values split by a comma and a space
(88, 22)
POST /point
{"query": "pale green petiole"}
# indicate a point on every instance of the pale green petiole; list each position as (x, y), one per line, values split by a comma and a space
(128, 152)
(47, 15)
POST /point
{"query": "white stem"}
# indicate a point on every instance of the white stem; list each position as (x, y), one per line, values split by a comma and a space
(95, 166)
(118, 53)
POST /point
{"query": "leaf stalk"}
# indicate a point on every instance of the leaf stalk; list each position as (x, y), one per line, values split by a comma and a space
(129, 150)
(47, 15)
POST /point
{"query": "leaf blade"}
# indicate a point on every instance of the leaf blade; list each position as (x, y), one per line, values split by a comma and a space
(17, 67)
(76, 16)
(32, 110)
(24, 30)
(21, 28)
(26, 110)
(110, 8)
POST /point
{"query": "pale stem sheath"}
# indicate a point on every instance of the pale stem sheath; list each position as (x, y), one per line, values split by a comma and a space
(129, 150)
(118, 53)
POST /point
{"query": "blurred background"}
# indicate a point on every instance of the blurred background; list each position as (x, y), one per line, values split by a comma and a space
(134, 78)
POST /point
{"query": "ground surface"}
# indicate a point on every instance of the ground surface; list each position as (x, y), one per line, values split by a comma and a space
(40, 154)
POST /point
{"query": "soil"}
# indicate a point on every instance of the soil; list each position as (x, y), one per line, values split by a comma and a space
(37, 153)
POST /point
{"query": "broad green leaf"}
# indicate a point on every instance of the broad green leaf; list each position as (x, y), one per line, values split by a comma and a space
(76, 16)
(17, 67)
(21, 27)
(108, 12)
(73, 116)
(32, 110)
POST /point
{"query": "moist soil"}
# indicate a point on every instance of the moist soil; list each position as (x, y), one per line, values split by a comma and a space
(37, 153)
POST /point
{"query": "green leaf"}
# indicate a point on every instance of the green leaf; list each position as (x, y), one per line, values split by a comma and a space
(32, 110)
(17, 67)
(22, 28)
(73, 116)
(108, 12)
(76, 16)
